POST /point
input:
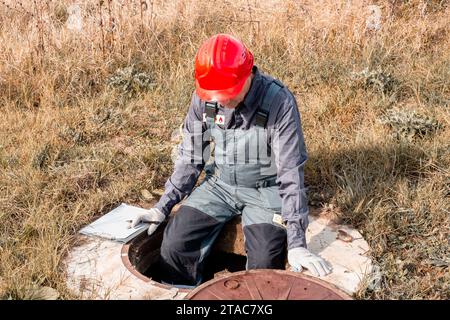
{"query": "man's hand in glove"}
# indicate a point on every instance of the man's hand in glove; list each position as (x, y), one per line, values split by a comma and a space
(300, 258)
(154, 217)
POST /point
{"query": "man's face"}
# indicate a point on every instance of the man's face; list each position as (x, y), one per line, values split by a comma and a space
(234, 102)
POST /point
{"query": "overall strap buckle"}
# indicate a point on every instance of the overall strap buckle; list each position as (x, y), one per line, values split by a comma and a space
(211, 109)
(266, 183)
(210, 113)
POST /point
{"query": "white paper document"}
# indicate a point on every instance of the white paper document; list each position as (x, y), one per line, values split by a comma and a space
(115, 225)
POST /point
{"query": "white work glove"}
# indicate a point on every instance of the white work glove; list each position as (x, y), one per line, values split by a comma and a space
(154, 217)
(300, 258)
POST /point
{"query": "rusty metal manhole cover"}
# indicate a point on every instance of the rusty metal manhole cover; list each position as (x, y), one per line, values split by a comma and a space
(267, 285)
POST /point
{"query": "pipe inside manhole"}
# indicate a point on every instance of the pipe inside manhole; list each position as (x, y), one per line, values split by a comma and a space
(142, 255)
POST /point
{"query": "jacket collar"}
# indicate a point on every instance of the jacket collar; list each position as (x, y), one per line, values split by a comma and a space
(253, 92)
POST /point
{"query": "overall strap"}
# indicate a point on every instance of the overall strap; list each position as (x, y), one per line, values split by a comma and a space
(210, 118)
(262, 114)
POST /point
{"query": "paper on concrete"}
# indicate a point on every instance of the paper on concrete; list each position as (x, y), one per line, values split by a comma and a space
(115, 225)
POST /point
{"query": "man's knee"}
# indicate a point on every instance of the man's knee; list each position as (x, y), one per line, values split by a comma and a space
(266, 260)
(188, 229)
(266, 246)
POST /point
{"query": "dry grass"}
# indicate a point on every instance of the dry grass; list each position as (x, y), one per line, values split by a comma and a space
(73, 144)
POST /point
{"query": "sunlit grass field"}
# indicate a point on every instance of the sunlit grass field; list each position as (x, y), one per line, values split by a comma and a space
(91, 93)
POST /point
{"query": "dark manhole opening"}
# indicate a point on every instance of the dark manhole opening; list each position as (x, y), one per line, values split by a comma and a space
(227, 254)
(216, 263)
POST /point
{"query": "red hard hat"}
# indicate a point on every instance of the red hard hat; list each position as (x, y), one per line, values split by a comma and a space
(222, 66)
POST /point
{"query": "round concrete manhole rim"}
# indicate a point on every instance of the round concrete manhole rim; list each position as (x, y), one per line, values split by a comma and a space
(127, 263)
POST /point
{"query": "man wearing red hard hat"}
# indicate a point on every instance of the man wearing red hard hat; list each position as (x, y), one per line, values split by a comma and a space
(257, 171)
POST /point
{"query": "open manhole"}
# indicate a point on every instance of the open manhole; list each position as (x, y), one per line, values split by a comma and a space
(104, 269)
(267, 285)
(142, 255)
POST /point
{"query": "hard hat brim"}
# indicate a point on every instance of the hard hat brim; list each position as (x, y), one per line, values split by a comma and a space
(222, 94)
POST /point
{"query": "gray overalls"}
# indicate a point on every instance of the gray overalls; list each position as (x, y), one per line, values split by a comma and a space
(242, 180)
